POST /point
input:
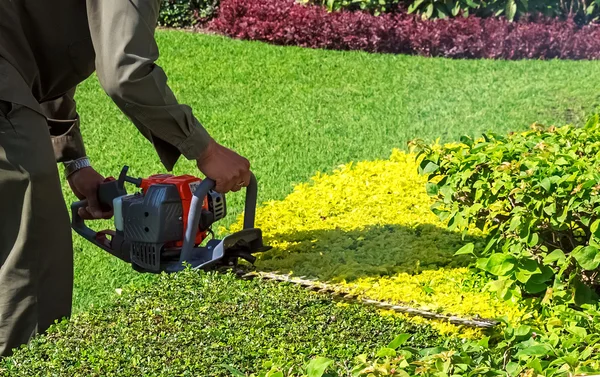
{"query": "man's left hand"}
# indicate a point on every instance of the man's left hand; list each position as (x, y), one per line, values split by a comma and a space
(84, 184)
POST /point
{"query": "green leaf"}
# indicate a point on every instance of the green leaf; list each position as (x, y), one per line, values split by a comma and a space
(513, 368)
(466, 249)
(535, 350)
(399, 340)
(511, 10)
(500, 264)
(535, 365)
(415, 5)
(594, 228)
(533, 240)
(578, 331)
(555, 256)
(534, 287)
(385, 351)
(432, 189)
(550, 209)
(234, 372)
(546, 184)
(317, 366)
(583, 293)
(588, 257)
(514, 223)
(428, 168)
(429, 11)
(522, 330)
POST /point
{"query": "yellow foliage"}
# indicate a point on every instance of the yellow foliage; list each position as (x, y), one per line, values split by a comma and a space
(368, 227)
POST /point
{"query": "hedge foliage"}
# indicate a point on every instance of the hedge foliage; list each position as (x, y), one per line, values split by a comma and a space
(536, 194)
(285, 22)
(186, 13)
(193, 324)
(584, 11)
(565, 345)
(368, 227)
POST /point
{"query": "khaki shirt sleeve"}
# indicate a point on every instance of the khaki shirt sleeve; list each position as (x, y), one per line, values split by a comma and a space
(64, 126)
(123, 37)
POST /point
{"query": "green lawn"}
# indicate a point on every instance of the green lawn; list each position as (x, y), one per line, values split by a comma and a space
(294, 112)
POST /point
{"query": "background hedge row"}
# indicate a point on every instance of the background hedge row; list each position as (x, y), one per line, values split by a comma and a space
(284, 22)
(287, 22)
(184, 13)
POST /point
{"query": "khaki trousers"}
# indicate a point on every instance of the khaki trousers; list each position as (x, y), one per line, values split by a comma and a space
(36, 252)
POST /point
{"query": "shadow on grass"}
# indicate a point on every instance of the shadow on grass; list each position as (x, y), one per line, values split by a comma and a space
(373, 251)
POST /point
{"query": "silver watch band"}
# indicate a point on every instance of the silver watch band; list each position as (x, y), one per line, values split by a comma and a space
(75, 165)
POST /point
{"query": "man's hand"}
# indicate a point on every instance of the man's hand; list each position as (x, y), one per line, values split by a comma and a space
(229, 170)
(84, 184)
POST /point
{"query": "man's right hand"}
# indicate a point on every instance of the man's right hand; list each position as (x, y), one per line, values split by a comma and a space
(229, 170)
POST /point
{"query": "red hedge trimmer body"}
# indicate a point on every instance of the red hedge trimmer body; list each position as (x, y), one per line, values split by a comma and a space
(161, 227)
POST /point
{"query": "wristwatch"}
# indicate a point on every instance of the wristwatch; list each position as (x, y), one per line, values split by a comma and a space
(75, 165)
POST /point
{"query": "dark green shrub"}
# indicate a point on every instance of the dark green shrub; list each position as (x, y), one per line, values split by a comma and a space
(536, 195)
(190, 324)
(186, 13)
(583, 11)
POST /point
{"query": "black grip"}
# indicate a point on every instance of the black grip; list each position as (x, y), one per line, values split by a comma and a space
(196, 207)
(107, 192)
(79, 226)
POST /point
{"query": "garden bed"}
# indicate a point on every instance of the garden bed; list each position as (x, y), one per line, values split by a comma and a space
(288, 23)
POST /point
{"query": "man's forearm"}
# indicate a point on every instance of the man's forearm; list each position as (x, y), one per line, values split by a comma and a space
(123, 37)
(64, 127)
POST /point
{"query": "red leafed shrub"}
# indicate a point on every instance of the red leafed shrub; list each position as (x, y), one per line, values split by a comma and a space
(285, 22)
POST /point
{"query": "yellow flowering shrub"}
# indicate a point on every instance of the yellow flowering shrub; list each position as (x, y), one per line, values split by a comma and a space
(368, 227)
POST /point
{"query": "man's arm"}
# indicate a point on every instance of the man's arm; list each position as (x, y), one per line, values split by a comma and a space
(126, 51)
(123, 37)
(64, 127)
(63, 122)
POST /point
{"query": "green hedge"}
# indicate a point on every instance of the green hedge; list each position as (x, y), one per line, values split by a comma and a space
(536, 194)
(582, 11)
(186, 13)
(190, 324)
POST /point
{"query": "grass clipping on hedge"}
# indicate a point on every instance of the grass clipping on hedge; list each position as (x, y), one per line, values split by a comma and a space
(368, 227)
(192, 323)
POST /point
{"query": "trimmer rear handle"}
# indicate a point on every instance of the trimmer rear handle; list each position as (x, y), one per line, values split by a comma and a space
(196, 210)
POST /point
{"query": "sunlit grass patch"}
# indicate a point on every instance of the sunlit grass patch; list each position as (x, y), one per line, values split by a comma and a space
(368, 227)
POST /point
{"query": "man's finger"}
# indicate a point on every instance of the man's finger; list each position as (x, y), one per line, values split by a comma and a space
(246, 176)
(219, 187)
(84, 214)
(94, 206)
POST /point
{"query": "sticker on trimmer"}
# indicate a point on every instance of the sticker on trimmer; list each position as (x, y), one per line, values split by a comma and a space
(194, 186)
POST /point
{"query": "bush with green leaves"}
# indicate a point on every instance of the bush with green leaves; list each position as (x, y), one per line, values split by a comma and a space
(186, 13)
(583, 11)
(199, 324)
(536, 196)
(563, 342)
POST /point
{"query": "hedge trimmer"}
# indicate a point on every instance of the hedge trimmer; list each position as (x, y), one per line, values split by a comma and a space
(160, 229)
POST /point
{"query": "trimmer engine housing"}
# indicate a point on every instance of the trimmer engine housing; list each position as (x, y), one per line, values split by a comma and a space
(160, 227)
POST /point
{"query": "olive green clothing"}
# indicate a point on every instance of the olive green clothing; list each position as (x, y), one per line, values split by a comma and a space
(47, 48)
(56, 44)
(36, 254)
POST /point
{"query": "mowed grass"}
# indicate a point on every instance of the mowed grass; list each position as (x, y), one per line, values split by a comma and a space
(295, 111)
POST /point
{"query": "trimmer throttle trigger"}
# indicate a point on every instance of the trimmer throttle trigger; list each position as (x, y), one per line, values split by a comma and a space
(109, 190)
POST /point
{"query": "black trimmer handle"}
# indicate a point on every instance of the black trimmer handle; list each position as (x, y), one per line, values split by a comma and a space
(196, 211)
(78, 225)
(107, 191)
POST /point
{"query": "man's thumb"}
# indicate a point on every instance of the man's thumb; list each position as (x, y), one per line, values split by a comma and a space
(94, 206)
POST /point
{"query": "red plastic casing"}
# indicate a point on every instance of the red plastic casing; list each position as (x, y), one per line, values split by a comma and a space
(183, 183)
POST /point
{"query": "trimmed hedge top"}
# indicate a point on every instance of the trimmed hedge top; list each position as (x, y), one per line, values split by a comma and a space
(191, 324)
